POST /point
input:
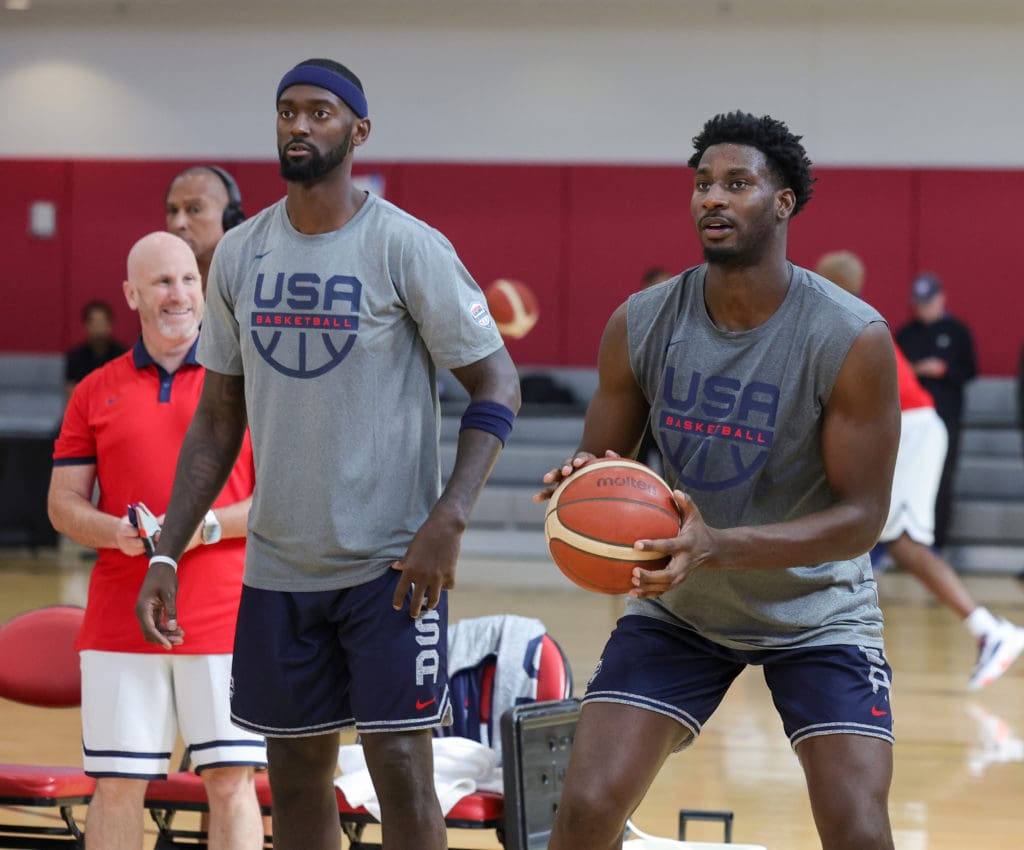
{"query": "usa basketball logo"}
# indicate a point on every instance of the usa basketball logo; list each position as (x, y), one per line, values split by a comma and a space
(480, 314)
(304, 326)
(716, 431)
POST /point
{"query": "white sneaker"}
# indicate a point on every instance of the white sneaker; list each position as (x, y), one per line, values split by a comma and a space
(996, 652)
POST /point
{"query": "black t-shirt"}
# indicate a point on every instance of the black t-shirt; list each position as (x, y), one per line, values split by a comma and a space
(950, 340)
(81, 360)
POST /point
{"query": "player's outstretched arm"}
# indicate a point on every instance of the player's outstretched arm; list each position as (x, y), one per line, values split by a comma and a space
(618, 411)
(860, 433)
(429, 564)
(207, 454)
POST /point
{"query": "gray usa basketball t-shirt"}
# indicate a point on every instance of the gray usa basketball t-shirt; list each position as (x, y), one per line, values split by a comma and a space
(339, 336)
(737, 417)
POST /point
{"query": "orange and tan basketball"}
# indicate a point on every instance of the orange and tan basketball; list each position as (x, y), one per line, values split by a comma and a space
(513, 306)
(596, 515)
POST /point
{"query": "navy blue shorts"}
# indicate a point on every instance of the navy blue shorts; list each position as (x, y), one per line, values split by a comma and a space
(319, 661)
(817, 690)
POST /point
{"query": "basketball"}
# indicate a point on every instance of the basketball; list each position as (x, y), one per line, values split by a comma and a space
(513, 306)
(595, 516)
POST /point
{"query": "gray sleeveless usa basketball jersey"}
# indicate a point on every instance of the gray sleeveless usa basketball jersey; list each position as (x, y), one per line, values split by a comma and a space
(339, 336)
(737, 417)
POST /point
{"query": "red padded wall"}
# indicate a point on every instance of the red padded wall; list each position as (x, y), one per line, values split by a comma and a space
(622, 220)
(580, 236)
(34, 270)
(869, 212)
(969, 223)
(505, 223)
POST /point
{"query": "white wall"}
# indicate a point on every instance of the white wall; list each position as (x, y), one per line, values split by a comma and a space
(921, 82)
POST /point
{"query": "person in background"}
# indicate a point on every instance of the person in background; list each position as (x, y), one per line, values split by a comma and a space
(99, 347)
(203, 203)
(654, 275)
(908, 534)
(940, 349)
(123, 427)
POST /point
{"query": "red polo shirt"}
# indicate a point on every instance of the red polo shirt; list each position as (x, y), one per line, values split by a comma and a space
(129, 419)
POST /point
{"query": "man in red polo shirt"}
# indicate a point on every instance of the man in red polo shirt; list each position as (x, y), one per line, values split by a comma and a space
(123, 428)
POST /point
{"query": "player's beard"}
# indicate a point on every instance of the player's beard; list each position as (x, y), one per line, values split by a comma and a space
(749, 249)
(316, 165)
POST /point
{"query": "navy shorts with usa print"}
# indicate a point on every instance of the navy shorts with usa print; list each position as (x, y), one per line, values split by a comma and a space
(313, 662)
(817, 690)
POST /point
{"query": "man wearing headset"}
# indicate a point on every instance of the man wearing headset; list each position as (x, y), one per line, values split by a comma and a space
(203, 202)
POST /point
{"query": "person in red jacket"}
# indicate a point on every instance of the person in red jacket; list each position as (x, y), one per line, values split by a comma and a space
(123, 428)
(910, 530)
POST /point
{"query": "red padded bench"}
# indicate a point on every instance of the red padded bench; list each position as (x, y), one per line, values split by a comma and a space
(39, 667)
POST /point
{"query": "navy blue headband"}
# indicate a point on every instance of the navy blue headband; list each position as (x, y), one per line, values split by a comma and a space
(314, 75)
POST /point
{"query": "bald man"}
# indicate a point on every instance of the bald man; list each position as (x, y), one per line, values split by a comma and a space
(203, 202)
(910, 528)
(129, 418)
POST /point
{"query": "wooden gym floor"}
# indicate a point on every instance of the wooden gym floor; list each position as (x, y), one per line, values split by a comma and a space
(959, 781)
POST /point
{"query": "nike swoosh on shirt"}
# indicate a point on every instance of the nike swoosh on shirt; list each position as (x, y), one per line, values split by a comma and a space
(420, 704)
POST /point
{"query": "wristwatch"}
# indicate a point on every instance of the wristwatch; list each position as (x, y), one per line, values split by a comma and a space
(211, 528)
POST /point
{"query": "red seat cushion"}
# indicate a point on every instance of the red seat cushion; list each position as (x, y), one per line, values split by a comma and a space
(43, 783)
(182, 787)
(185, 787)
(479, 807)
(38, 661)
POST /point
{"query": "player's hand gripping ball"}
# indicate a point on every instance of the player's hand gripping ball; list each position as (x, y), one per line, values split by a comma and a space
(596, 515)
(513, 306)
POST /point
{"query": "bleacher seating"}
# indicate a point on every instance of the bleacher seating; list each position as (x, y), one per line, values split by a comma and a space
(987, 534)
(31, 407)
(31, 394)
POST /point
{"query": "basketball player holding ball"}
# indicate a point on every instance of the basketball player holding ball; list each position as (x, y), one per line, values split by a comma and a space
(772, 396)
(328, 315)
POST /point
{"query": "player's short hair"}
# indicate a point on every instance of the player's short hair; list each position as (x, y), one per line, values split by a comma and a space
(786, 157)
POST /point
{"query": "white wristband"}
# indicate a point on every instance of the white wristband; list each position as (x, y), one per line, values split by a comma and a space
(164, 559)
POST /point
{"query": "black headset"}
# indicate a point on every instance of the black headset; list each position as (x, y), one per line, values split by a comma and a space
(233, 214)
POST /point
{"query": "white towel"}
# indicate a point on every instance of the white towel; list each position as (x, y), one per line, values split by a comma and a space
(461, 766)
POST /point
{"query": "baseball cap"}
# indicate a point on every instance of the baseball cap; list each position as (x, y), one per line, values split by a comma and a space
(925, 287)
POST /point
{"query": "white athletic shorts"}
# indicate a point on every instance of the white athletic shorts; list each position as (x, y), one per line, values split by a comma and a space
(133, 705)
(915, 483)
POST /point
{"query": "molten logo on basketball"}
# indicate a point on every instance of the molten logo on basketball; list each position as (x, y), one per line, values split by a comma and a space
(716, 432)
(303, 326)
(621, 481)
